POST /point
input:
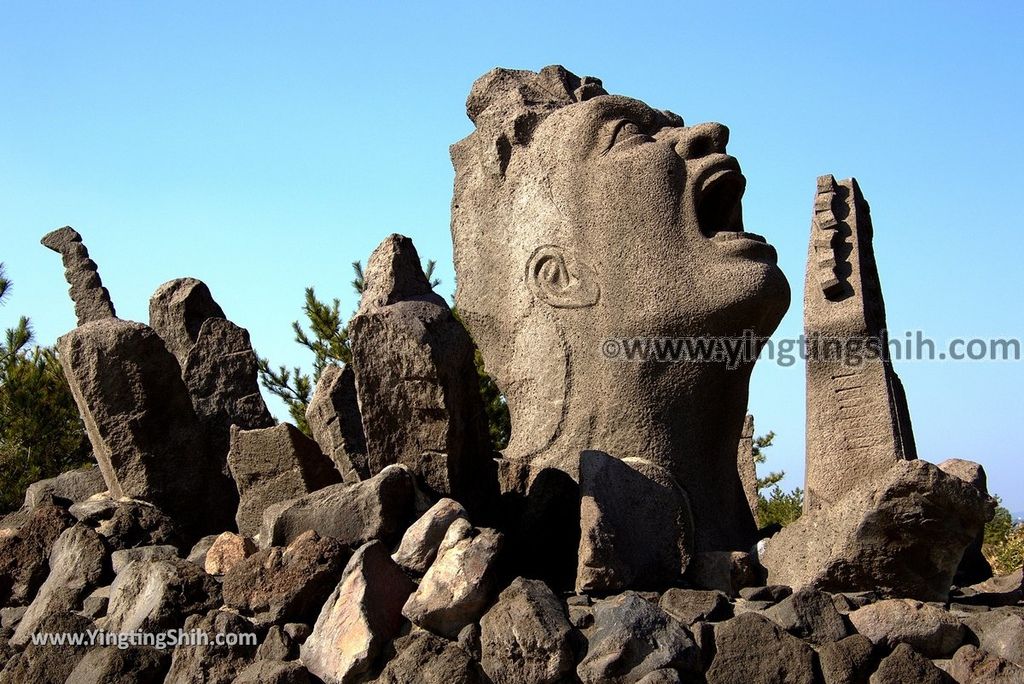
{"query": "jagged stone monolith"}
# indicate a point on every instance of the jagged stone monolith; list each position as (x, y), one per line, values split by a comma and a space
(177, 311)
(745, 464)
(333, 418)
(91, 299)
(418, 391)
(858, 424)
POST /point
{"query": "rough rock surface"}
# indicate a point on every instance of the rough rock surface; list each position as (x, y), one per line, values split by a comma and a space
(120, 559)
(847, 661)
(695, 605)
(273, 672)
(24, 554)
(415, 377)
(421, 541)
(427, 659)
(70, 487)
(725, 571)
(334, 419)
(140, 421)
(113, 665)
(177, 311)
(273, 465)
(525, 636)
(974, 567)
(971, 664)
(290, 584)
(632, 638)
(44, 663)
(227, 551)
(928, 629)
(78, 563)
(213, 663)
(1005, 638)
(458, 586)
(91, 299)
(752, 649)
(811, 615)
(902, 535)
(359, 618)
(636, 529)
(378, 508)
(905, 664)
(159, 595)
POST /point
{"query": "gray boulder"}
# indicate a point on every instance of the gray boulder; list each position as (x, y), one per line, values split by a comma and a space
(905, 664)
(725, 571)
(847, 661)
(213, 663)
(272, 465)
(421, 541)
(47, 663)
(72, 487)
(113, 665)
(158, 595)
(525, 636)
(25, 552)
(974, 567)
(334, 419)
(901, 535)
(811, 615)
(121, 558)
(928, 629)
(279, 585)
(78, 563)
(273, 672)
(1005, 638)
(423, 658)
(632, 638)
(636, 529)
(458, 587)
(754, 650)
(695, 605)
(359, 618)
(379, 508)
(177, 311)
(973, 665)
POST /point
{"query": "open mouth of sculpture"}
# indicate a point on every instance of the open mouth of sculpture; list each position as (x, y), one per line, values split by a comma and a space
(719, 212)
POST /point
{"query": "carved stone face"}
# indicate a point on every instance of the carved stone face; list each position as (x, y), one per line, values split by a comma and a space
(652, 224)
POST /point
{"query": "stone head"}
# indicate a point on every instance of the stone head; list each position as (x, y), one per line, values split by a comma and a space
(580, 216)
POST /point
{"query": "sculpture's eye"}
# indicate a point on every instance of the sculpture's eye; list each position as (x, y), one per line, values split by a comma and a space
(628, 133)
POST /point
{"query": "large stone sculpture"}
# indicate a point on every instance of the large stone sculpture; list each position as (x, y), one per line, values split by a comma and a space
(580, 217)
(858, 424)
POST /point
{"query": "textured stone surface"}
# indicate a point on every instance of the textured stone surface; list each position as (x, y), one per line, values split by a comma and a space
(458, 586)
(290, 584)
(1004, 590)
(858, 424)
(362, 614)
(91, 299)
(725, 571)
(144, 432)
(113, 665)
(1005, 638)
(78, 563)
(220, 373)
(131, 524)
(525, 636)
(754, 650)
(633, 637)
(227, 551)
(974, 567)
(24, 554)
(177, 311)
(693, 605)
(427, 659)
(547, 193)
(46, 664)
(421, 541)
(120, 559)
(158, 595)
(928, 629)
(273, 672)
(378, 508)
(971, 664)
(901, 535)
(71, 487)
(745, 465)
(334, 419)
(414, 374)
(273, 465)
(811, 615)
(905, 664)
(636, 529)
(212, 663)
(847, 661)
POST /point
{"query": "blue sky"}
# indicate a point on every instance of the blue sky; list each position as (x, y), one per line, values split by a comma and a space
(263, 147)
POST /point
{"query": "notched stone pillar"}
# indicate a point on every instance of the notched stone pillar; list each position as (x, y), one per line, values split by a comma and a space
(92, 301)
(858, 424)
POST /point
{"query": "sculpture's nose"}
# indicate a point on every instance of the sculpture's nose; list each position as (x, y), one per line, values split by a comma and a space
(701, 140)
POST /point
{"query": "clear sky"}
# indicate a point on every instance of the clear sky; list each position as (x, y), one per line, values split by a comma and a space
(263, 147)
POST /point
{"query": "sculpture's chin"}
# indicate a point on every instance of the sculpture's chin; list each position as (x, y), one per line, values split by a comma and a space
(760, 301)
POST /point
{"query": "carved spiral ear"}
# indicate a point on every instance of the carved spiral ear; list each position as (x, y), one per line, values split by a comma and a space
(559, 280)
